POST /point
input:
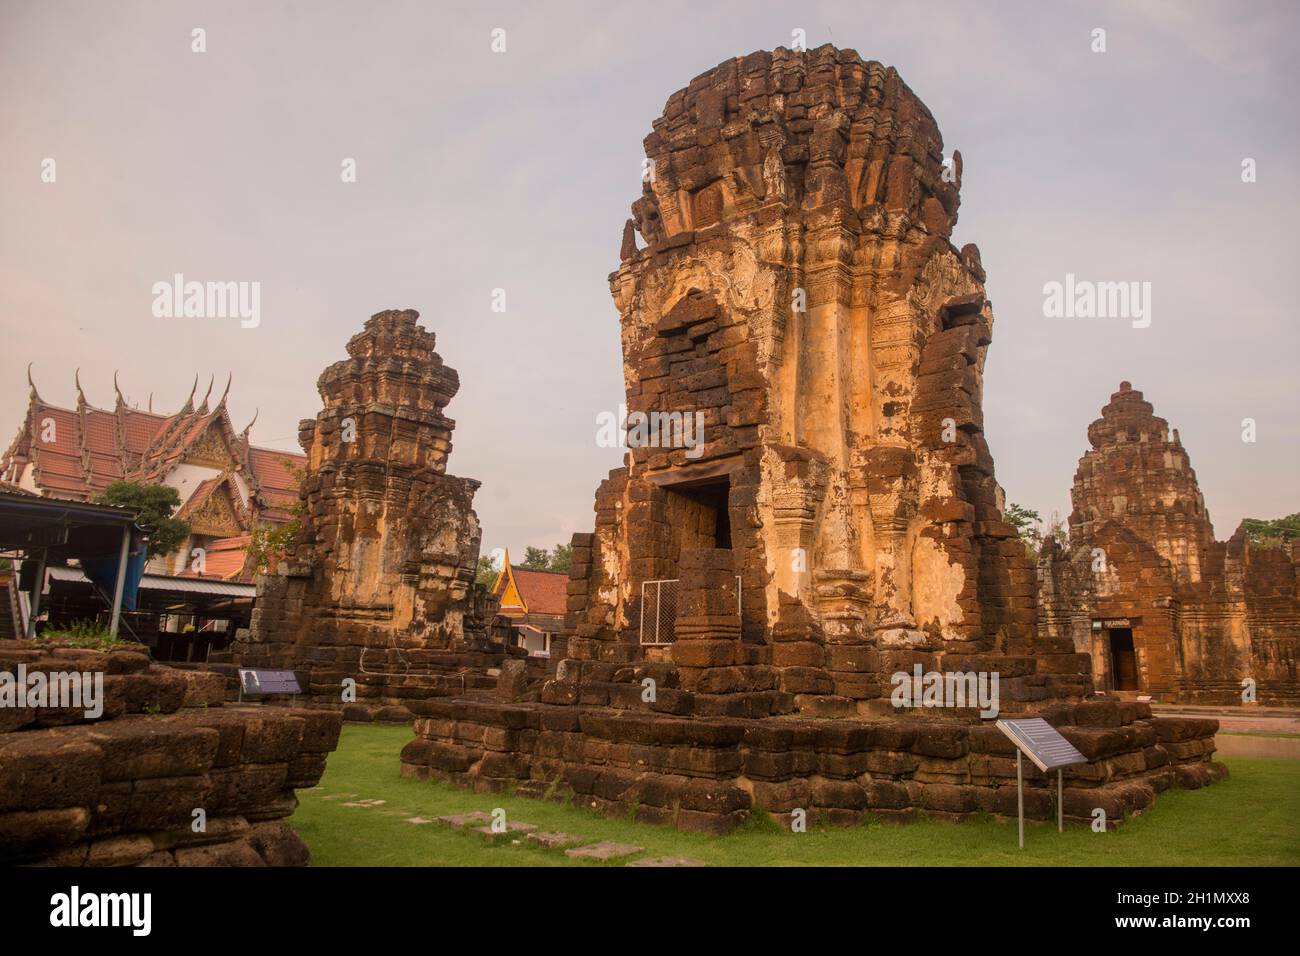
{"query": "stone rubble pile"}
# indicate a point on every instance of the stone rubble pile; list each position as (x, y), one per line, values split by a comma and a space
(166, 775)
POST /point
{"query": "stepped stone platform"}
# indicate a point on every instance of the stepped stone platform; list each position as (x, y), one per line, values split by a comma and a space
(123, 789)
(710, 773)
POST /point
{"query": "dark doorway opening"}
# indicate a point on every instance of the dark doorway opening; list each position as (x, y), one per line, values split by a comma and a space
(1123, 658)
(699, 515)
(696, 516)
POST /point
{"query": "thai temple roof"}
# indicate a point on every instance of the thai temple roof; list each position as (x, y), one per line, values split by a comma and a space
(76, 452)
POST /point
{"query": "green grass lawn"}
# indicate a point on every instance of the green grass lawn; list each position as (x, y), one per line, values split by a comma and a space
(1250, 819)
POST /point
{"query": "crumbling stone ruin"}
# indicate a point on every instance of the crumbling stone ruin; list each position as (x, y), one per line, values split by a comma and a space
(834, 523)
(126, 786)
(1143, 586)
(378, 588)
(799, 289)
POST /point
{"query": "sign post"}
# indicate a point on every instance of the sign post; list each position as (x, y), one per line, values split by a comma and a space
(254, 681)
(1044, 745)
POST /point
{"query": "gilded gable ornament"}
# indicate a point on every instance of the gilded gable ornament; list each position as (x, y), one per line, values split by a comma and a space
(210, 451)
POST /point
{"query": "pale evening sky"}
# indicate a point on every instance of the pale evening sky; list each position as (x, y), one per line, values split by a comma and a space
(479, 170)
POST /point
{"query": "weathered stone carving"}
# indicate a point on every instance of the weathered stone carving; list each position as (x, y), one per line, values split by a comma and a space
(1161, 606)
(378, 588)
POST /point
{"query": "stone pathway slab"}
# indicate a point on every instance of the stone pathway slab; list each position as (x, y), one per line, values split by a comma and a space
(604, 850)
(512, 829)
(667, 861)
(461, 820)
(554, 841)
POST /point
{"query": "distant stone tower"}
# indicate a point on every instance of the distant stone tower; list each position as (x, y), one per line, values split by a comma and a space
(1138, 474)
(378, 587)
(1161, 606)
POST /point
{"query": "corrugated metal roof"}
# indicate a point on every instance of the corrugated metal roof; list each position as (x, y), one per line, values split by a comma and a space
(162, 582)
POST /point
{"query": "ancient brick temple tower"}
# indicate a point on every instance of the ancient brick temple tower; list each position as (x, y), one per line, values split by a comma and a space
(1162, 607)
(799, 293)
(378, 586)
(810, 507)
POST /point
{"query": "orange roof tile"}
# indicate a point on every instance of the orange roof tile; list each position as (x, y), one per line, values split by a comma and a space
(275, 469)
(224, 559)
(100, 432)
(140, 429)
(545, 592)
(56, 463)
(64, 433)
(274, 472)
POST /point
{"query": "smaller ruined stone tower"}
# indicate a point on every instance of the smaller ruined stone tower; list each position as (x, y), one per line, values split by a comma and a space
(1138, 474)
(378, 586)
(1162, 607)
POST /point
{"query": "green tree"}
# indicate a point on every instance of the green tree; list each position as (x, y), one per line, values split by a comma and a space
(1272, 530)
(1058, 531)
(268, 544)
(537, 558)
(1025, 521)
(561, 557)
(155, 505)
(486, 574)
